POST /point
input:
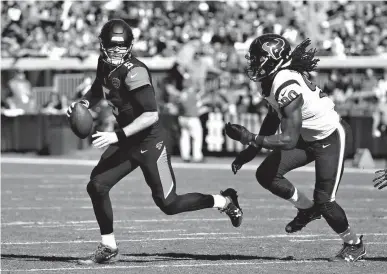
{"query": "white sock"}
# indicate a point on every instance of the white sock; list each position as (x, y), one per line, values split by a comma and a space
(299, 200)
(220, 201)
(109, 240)
(349, 237)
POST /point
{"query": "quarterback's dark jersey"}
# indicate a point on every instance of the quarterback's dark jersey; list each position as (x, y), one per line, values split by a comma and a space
(125, 90)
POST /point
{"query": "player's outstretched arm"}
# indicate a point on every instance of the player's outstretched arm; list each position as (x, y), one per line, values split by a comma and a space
(269, 127)
(291, 123)
(380, 181)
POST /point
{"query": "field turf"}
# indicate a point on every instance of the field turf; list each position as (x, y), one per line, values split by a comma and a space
(47, 223)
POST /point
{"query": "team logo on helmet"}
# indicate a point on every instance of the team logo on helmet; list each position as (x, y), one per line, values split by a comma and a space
(276, 49)
(116, 83)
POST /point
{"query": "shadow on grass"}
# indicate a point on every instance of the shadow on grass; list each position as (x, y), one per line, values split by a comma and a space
(212, 257)
(38, 258)
(66, 259)
(233, 257)
(171, 256)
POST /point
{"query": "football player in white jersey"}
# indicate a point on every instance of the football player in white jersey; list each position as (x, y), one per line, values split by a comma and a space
(311, 130)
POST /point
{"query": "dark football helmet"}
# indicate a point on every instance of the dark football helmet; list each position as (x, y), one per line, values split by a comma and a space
(116, 41)
(267, 54)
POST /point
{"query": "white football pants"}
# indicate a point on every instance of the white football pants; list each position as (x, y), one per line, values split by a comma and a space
(191, 127)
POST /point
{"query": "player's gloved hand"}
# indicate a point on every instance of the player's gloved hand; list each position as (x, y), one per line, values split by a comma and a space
(103, 139)
(236, 165)
(239, 133)
(244, 157)
(380, 181)
(70, 108)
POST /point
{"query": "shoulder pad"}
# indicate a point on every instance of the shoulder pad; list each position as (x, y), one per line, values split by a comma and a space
(286, 87)
(137, 77)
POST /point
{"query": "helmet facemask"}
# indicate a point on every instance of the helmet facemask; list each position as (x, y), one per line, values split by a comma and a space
(116, 54)
(256, 69)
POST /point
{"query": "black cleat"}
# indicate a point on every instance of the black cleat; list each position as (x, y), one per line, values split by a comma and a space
(304, 217)
(350, 252)
(103, 255)
(233, 210)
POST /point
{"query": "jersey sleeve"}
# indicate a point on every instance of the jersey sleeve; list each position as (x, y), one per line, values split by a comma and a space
(287, 91)
(145, 98)
(137, 77)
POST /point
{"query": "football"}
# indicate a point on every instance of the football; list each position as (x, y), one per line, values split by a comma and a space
(81, 121)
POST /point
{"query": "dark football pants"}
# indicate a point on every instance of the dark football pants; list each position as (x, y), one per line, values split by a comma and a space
(117, 162)
(329, 155)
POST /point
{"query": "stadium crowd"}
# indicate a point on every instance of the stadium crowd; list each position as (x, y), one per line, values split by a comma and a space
(70, 28)
(213, 32)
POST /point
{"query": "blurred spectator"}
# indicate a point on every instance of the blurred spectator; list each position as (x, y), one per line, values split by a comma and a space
(379, 125)
(20, 94)
(173, 85)
(57, 104)
(84, 87)
(8, 105)
(69, 28)
(189, 122)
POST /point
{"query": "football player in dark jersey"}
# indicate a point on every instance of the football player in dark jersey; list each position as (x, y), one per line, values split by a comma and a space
(311, 130)
(126, 84)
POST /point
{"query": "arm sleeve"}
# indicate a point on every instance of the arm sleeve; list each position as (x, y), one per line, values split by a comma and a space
(94, 95)
(145, 97)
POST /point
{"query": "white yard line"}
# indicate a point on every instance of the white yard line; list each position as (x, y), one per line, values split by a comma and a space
(221, 264)
(208, 166)
(58, 223)
(290, 237)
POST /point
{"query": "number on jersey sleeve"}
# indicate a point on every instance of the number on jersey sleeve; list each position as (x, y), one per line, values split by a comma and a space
(287, 92)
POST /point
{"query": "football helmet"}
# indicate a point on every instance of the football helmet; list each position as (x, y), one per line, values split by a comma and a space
(116, 41)
(267, 54)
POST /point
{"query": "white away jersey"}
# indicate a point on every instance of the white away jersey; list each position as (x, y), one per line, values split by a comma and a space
(319, 119)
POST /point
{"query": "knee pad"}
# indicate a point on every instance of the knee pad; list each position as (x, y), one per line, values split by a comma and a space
(263, 179)
(168, 209)
(334, 215)
(97, 188)
(278, 185)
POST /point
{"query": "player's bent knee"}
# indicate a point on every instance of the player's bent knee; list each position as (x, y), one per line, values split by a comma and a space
(276, 185)
(168, 209)
(334, 215)
(96, 187)
(263, 179)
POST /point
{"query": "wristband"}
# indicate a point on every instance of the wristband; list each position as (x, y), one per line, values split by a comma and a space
(120, 134)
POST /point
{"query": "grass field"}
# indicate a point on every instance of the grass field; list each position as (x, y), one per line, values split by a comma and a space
(48, 223)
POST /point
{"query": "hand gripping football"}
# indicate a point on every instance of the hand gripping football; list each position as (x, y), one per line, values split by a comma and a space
(81, 121)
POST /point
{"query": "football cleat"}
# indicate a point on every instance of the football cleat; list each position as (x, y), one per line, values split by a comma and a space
(233, 210)
(350, 252)
(103, 255)
(304, 217)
